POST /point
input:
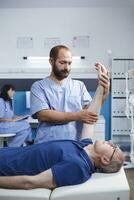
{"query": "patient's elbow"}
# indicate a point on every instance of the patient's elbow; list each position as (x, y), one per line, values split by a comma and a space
(28, 186)
(29, 183)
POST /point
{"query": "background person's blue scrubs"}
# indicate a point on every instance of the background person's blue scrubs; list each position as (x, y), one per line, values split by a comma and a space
(21, 128)
(68, 160)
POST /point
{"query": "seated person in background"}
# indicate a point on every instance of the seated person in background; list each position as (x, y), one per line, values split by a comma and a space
(10, 123)
(61, 162)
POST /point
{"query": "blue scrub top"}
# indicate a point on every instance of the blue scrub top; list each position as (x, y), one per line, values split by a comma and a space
(10, 127)
(5, 109)
(68, 160)
(71, 96)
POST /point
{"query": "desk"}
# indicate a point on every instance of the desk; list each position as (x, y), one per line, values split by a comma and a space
(99, 127)
(4, 137)
(33, 122)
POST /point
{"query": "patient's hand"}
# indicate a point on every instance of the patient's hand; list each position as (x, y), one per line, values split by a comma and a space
(101, 68)
(103, 78)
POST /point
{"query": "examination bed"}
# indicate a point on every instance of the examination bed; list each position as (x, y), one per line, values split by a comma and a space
(99, 187)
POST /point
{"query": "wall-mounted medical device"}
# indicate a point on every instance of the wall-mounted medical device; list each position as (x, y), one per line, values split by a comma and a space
(47, 58)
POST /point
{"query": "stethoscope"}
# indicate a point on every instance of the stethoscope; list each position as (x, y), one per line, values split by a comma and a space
(5, 107)
(7, 104)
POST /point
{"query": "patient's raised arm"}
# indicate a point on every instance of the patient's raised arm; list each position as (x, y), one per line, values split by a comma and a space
(94, 107)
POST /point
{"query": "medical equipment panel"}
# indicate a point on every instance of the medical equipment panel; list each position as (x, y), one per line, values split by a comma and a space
(120, 124)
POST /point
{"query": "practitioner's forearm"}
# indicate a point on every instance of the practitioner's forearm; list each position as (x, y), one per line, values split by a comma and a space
(56, 117)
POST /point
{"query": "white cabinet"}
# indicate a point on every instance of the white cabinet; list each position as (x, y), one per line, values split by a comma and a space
(120, 125)
(99, 133)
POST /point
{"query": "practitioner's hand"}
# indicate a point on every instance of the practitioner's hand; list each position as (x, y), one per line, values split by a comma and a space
(88, 117)
(103, 78)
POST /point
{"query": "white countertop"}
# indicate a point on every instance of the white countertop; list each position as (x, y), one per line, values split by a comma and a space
(41, 73)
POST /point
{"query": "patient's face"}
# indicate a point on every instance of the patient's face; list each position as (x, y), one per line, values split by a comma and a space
(108, 149)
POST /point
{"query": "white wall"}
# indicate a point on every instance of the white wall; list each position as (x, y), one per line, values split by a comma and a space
(108, 28)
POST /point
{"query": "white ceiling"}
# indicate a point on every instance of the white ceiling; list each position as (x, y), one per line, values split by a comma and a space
(64, 3)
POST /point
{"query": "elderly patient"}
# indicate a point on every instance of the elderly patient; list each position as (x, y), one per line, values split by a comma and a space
(62, 162)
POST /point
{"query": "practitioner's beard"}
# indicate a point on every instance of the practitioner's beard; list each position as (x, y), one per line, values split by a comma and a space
(60, 74)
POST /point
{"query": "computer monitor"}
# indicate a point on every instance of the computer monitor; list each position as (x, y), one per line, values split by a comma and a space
(27, 99)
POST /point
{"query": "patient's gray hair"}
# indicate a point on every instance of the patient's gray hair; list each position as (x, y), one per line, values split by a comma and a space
(114, 165)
